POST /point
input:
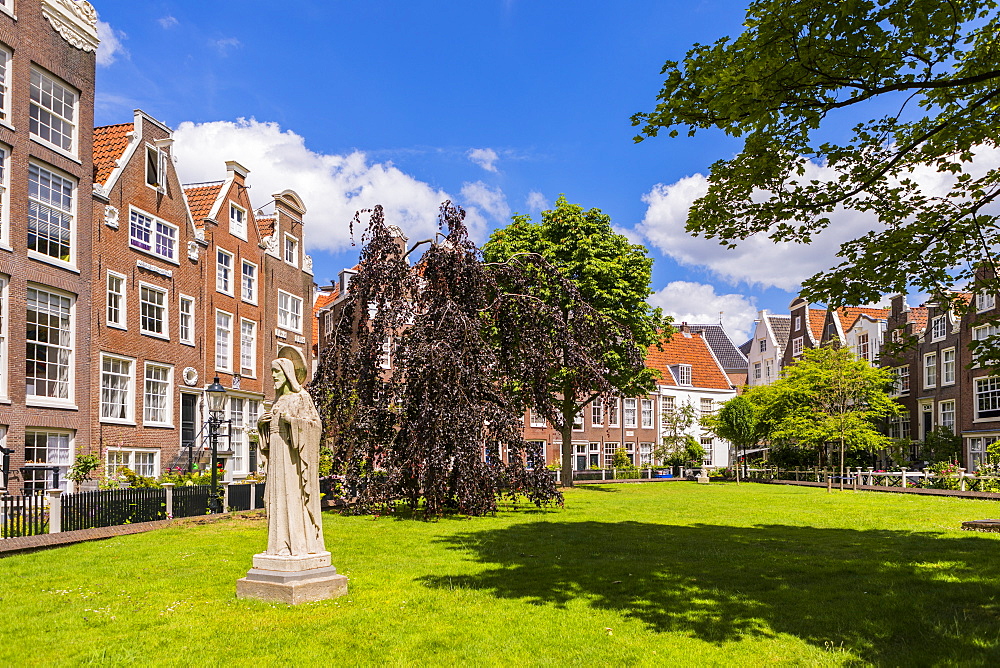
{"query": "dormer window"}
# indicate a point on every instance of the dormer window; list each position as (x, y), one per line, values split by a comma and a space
(939, 327)
(237, 221)
(684, 374)
(797, 323)
(345, 280)
(291, 250)
(985, 301)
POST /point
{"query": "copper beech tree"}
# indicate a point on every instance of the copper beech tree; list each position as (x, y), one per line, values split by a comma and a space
(468, 345)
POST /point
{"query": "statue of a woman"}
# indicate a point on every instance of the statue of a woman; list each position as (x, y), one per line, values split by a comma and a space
(289, 439)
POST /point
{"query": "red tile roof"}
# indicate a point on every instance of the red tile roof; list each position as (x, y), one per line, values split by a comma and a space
(110, 142)
(266, 226)
(688, 349)
(817, 317)
(849, 315)
(918, 316)
(201, 198)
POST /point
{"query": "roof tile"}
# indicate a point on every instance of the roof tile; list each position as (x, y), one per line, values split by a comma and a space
(688, 349)
(110, 142)
(200, 199)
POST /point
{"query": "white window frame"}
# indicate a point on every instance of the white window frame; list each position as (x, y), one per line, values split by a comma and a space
(762, 347)
(243, 413)
(579, 423)
(797, 323)
(164, 307)
(288, 318)
(597, 412)
(4, 336)
(185, 320)
(65, 349)
(982, 333)
(168, 395)
(54, 210)
(685, 375)
(706, 406)
(224, 274)
(948, 366)
(797, 344)
(630, 413)
(237, 229)
(117, 458)
(535, 419)
(987, 398)
(295, 250)
(35, 118)
(251, 354)
(156, 158)
(5, 77)
(128, 390)
(647, 415)
(252, 298)
(901, 380)
(4, 195)
(930, 370)
(939, 327)
(947, 407)
(756, 371)
(985, 301)
(385, 359)
(61, 457)
(614, 413)
(864, 346)
(224, 353)
(157, 237)
(122, 297)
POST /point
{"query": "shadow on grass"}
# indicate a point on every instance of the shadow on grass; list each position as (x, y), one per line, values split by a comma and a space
(597, 488)
(889, 596)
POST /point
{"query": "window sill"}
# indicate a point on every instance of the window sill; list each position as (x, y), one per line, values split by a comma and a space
(154, 255)
(127, 423)
(56, 149)
(158, 425)
(42, 402)
(154, 335)
(223, 292)
(252, 302)
(187, 343)
(992, 419)
(112, 325)
(55, 262)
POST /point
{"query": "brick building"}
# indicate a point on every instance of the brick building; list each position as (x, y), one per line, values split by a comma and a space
(47, 62)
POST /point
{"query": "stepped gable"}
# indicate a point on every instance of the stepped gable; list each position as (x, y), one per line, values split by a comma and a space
(200, 198)
(728, 355)
(781, 325)
(110, 142)
(688, 348)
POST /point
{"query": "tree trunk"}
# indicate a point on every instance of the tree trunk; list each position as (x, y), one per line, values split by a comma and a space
(841, 462)
(567, 451)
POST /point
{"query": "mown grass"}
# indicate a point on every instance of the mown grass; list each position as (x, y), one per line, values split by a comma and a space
(636, 574)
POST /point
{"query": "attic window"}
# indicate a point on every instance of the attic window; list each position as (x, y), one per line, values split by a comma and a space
(684, 374)
(156, 168)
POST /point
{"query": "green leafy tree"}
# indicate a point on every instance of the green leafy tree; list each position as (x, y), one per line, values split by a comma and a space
(612, 276)
(621, 459)
(676, 425)
(739, 422)
(924, 72)
(941, 445)
(834, 396)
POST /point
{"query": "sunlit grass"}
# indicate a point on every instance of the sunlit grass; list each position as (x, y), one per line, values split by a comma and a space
(635, 574)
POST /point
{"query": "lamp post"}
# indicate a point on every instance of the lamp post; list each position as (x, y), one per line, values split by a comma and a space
(6, 453)
(216, 394)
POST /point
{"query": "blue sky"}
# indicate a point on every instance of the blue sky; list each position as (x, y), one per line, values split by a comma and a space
(500, 105)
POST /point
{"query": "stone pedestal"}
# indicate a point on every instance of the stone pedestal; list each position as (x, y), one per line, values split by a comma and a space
(292, 580)
(703, 478)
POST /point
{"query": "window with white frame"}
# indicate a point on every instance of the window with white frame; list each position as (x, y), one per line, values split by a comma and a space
(756, 370)
(977, 450)
(156, 168)
(985, 301)
(768, 369)
(152, 235)
(948, 366)
(707, 443)
(578, 421)
(116, 300)
(49, 337)
(797, 323)
(157, 391)
(185, 320)
(140, 461)
(248, 348)
(629, 409)
(248, 287)
(982, 333)
(153, 311)
(50, 213)
(611, 408)
(667, 404)
(864, 348)
(536, 419)
(52, 111)
(930, 369)
(901, 380)
(291, 250)
(243, 414)
(385, 361)
(289, 311)
(763, 345)
(237, 221)
(707, 406)
(117, 398)
(45, 448)
(797, 346)
(4, 336)
(224, 272)
(4, 81)
(939, 327)
(684, 374)
(4, 199)
(645, 454)
(987, 398)
(223, 340)
(647, 413)
(898, 427)
(947, 414)
(597, 412)
(609, 452)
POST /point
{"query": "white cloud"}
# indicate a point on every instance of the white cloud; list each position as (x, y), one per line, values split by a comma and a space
(225, 45)
(699, 303)
(111, 44)
(484, 157)
(167, 22)
(483, 205)
(758, 260)
(333, 187)
(536, 202)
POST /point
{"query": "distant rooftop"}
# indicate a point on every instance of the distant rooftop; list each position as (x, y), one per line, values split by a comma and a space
(722, 346)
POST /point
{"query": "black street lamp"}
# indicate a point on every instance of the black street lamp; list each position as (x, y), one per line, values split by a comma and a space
(6, 453)
(216, 394)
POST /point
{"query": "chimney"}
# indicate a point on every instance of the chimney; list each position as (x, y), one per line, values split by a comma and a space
(238, 171)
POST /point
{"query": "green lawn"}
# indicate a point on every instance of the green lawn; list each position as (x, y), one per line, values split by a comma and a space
(635, 574)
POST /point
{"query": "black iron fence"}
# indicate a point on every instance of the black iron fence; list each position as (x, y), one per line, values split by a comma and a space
(111, 507)
(23, 516)
(191, 501)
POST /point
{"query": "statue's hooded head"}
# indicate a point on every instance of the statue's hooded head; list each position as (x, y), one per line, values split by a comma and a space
(287, 367)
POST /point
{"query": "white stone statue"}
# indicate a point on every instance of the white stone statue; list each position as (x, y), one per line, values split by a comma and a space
(289, 440)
